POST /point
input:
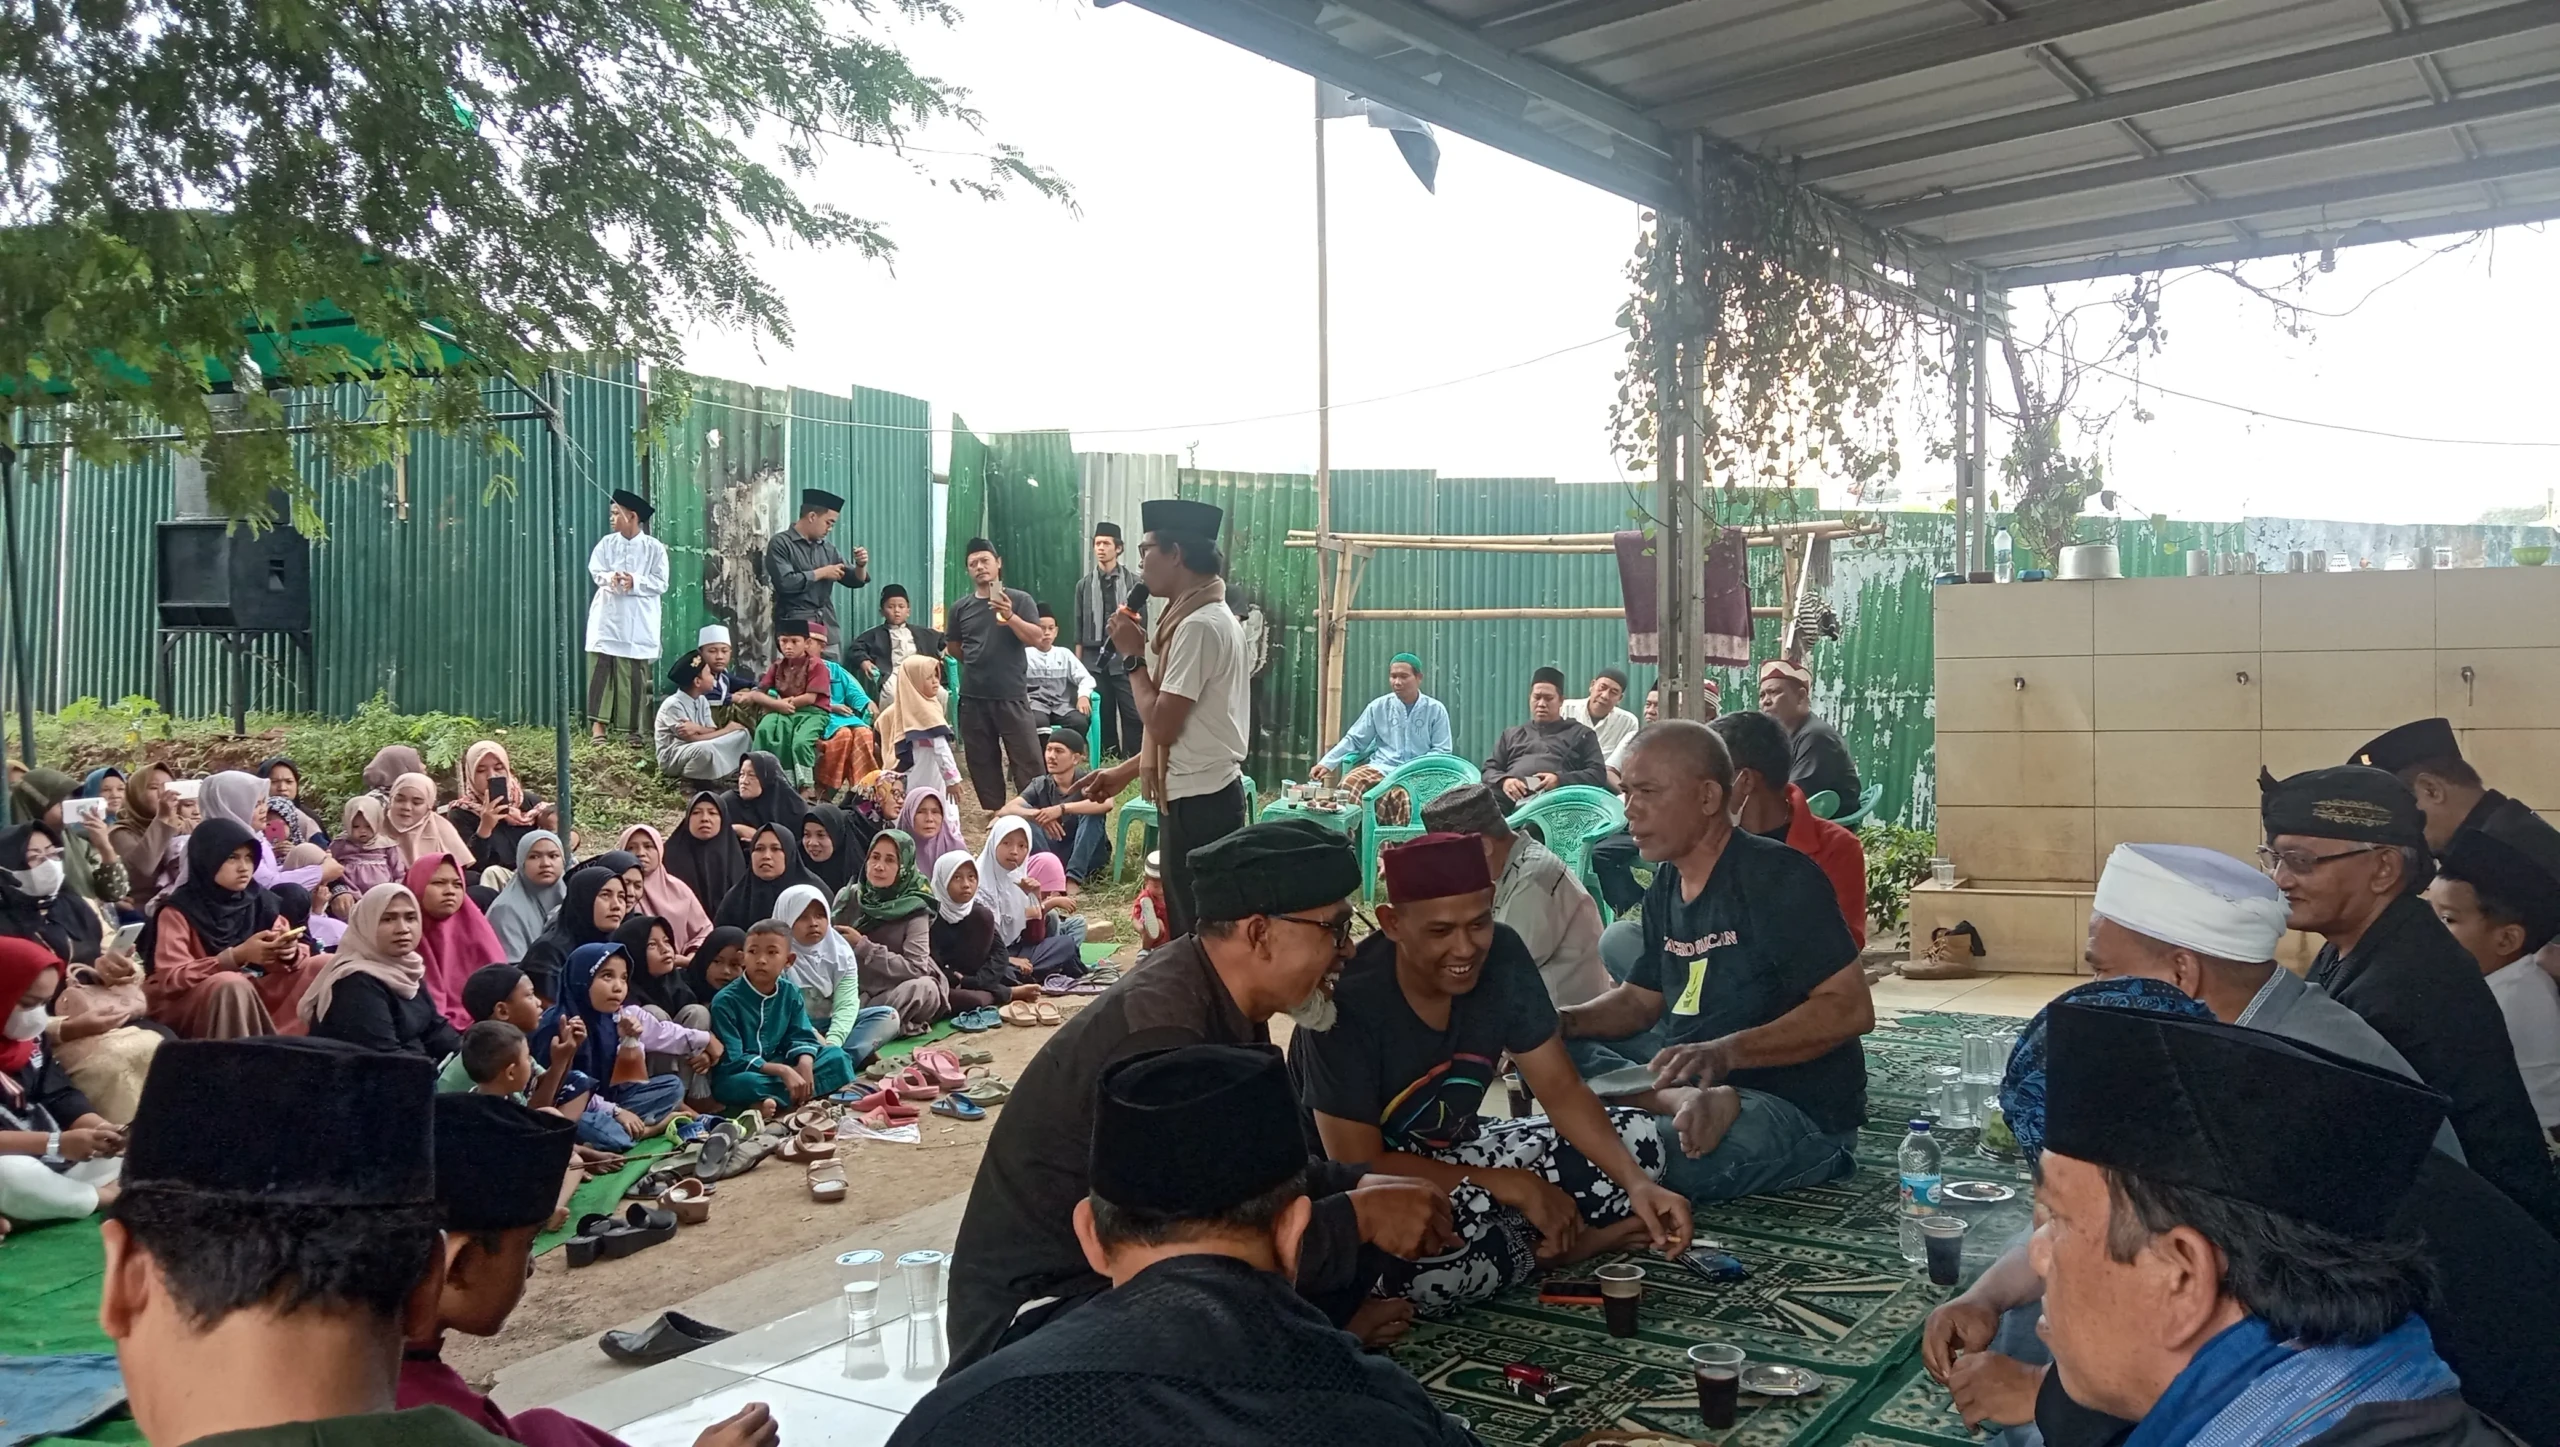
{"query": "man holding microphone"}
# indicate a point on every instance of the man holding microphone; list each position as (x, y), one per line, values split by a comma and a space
(995, 627)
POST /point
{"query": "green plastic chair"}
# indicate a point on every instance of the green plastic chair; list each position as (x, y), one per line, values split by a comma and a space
(1423, 780)
(1137, 815)
(1867, 800)
(1571, 820)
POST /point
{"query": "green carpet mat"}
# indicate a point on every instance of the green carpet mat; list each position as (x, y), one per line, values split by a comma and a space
(604, 1193)
(1828, 1290)
(50, 1277)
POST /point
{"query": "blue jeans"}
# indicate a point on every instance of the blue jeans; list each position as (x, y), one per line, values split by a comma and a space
(1620, 946)
(1772, 1146)
(873, 1027)
(1086, 851)
(653, 1100)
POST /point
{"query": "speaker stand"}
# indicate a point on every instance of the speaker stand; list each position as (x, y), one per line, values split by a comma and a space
(236, 645)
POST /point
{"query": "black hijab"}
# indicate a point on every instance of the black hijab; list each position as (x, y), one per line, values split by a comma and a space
(62, 923)
(778, 804)
(573, 926)
(709, 867)
(697, 971)
(668, 992)
(837, 870)
(753, 900)
(220, 917)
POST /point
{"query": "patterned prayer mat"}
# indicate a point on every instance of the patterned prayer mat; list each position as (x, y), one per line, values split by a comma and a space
(1828, 1290)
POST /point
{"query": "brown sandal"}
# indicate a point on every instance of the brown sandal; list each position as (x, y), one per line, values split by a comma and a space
(826, 1181)
(690, 1199)
(1950, 955)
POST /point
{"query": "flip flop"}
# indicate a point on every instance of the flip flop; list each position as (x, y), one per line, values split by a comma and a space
(826, 1181)
(690, 1199)
(650, 1226)
(613, 1238)
(940, 1066)
(958, 1107)
(969, 1055)
(1019, 1013)
(717, 1146)
(670, 1336)
(813, 1143)
(1047, 1014)
(990, 1091)
(1057, 984)
(914, 1084)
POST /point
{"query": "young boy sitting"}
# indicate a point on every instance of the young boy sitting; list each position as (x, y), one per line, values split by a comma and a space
(2503, 904)
(492, 1209)
(494, 1055)
(771, 1056)
(500, 999)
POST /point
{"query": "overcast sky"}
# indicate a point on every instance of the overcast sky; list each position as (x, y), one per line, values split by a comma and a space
(1180, 302)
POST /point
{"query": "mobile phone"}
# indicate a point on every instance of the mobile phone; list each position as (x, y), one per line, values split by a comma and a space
(125, 936)
(83, 811)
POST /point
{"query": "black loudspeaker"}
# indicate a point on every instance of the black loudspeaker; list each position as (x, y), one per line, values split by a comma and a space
(211, 578)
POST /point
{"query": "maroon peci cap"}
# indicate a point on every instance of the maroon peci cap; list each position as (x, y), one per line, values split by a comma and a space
(1435, 866)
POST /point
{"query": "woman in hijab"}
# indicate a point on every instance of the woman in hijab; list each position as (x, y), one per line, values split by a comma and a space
(1005, 887)
(829, 976)
(388, 765)
(493, 810)
(915, 737)
(41, 1105)
(36, 901)
(659, 986)
(720, 958)
(90, 868)
(773, 865)
(589, 914)
(242, 799)
(416, 827)
(762, 796)
(104, 782)
(703, 854)
(965, 947)
(372, 992)
(873, 804)
(526, 907)
(454, 938)
(891, 906)
(366, 854)
(662, 894)
(927, 819)
(288, 816)
(143, 830)
(222, 964)
(826, 844)
(595, 988)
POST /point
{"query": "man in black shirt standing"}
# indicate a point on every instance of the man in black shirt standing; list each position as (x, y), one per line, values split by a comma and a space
(995, 626)
(1751, 973)
(1275, 916)
(1101, 594)
(1424, 1014)
(1821, 757)
(802, 564)
(2349, 849)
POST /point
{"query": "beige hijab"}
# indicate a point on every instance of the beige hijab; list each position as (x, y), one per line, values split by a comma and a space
(910, 709)
(423, 831)
(360, 952)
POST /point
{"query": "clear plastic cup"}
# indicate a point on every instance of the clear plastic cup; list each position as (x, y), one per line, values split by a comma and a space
(858, 1272)
(922, 1271)
(1942, 1239)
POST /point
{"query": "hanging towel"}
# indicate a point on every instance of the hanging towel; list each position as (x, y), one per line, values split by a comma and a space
(1636, 583)
(1728, 606)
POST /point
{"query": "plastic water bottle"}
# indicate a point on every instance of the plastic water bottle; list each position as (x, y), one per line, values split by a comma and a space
(1918, 1162)
(2002, 570)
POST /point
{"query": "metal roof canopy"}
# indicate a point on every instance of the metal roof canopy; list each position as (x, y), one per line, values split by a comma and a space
(2027, 141)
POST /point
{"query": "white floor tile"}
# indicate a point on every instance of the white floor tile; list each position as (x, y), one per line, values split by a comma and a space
(777, 1341)
(637, 1394)
(807, 1419)
(890, 1368)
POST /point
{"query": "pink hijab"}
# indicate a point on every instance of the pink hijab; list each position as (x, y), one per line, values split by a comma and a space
(454, 946)
(670, 898)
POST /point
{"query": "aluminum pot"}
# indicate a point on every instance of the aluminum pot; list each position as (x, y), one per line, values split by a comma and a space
(2089, 560)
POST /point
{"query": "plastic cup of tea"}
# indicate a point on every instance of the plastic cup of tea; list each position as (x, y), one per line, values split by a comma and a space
(922, 1271)
(1942, 872)
(1621, 1294)
(858, 1272)
(1717, 1369)
(1942, 1238)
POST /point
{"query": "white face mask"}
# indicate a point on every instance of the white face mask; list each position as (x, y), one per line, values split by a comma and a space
(25, 1023)
(42, 882)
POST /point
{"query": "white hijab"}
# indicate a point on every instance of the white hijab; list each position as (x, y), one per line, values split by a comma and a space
(813, 967)
(945, 867)
(1000, 887)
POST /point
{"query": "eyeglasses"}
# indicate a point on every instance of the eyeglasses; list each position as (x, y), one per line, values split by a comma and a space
(1340, 929)
(2295, 861)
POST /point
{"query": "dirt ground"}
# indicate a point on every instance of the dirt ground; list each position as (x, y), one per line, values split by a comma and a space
(766, 1215)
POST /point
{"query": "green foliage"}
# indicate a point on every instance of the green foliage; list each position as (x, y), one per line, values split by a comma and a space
(612, 785)
(1897, 858)
(1803, 354)
(433, 198)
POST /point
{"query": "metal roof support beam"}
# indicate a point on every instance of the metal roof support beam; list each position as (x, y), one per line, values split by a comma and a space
(1625, 170)
(1538, 25)
(1918, 55)
(2306, 140)
(2223, 253)
(2339, 59)
(1427, 30)
(2292, 198)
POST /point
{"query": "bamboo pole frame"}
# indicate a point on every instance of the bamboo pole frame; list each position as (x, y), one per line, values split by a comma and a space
(1463, 615)
(1566, 542)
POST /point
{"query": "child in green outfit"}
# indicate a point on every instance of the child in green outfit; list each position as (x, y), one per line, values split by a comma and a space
(772, 1057)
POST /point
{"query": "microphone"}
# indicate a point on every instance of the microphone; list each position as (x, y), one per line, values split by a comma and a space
(1137, 600)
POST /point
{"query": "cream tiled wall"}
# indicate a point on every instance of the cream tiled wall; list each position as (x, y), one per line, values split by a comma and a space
(2076, 716)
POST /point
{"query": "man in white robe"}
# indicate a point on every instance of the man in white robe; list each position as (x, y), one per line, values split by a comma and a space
(630, 572)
